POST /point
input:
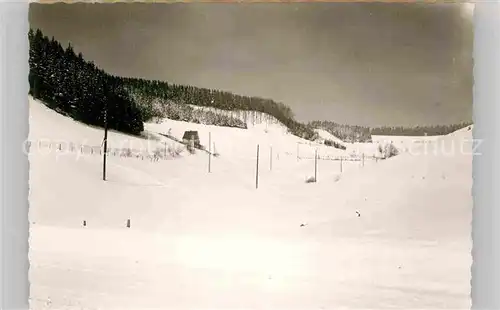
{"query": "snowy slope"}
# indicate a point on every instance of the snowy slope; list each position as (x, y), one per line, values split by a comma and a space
(202, 240)
(250, 118)
(325, 135)
(242, 143)
(51, 128)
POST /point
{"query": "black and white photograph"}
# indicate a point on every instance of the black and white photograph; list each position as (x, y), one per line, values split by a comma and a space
(284, 156)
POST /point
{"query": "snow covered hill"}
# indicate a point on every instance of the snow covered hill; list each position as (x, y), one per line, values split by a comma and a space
(250, 118)
(325, 135)
(377, 234)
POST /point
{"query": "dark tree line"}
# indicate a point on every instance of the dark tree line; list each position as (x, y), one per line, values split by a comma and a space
(351, 133)
(334, 144)
(75, 87)
(431, 130)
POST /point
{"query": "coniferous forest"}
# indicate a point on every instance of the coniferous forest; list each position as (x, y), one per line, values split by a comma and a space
(73, 86)
(77, 88)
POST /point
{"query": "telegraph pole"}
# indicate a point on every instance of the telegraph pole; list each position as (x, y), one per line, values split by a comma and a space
(209, 152)
(105, 142)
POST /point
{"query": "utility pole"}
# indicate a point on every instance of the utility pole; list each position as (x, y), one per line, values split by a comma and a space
(105, 143)
(209, 152)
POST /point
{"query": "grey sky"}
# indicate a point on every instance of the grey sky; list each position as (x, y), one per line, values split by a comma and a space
(355, 63)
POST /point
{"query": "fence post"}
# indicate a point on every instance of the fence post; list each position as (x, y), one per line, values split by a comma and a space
(341, 159)
(209, 151)
(257, 169)
(363, 158)
(128, 223)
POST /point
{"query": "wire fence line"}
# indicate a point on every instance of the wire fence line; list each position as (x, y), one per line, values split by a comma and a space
(343, 158)
(159, 152)
(165, 151)
(258, 162)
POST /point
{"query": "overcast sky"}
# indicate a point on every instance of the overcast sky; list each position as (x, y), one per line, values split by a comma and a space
(353, 63)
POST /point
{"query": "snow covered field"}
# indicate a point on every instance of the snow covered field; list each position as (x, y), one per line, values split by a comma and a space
(202, 240)
(404, 143)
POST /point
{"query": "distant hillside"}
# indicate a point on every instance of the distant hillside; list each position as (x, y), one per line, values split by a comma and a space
(150, 94)
(349, 133)
(250, 118)
(346, 133)
(73, 86)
